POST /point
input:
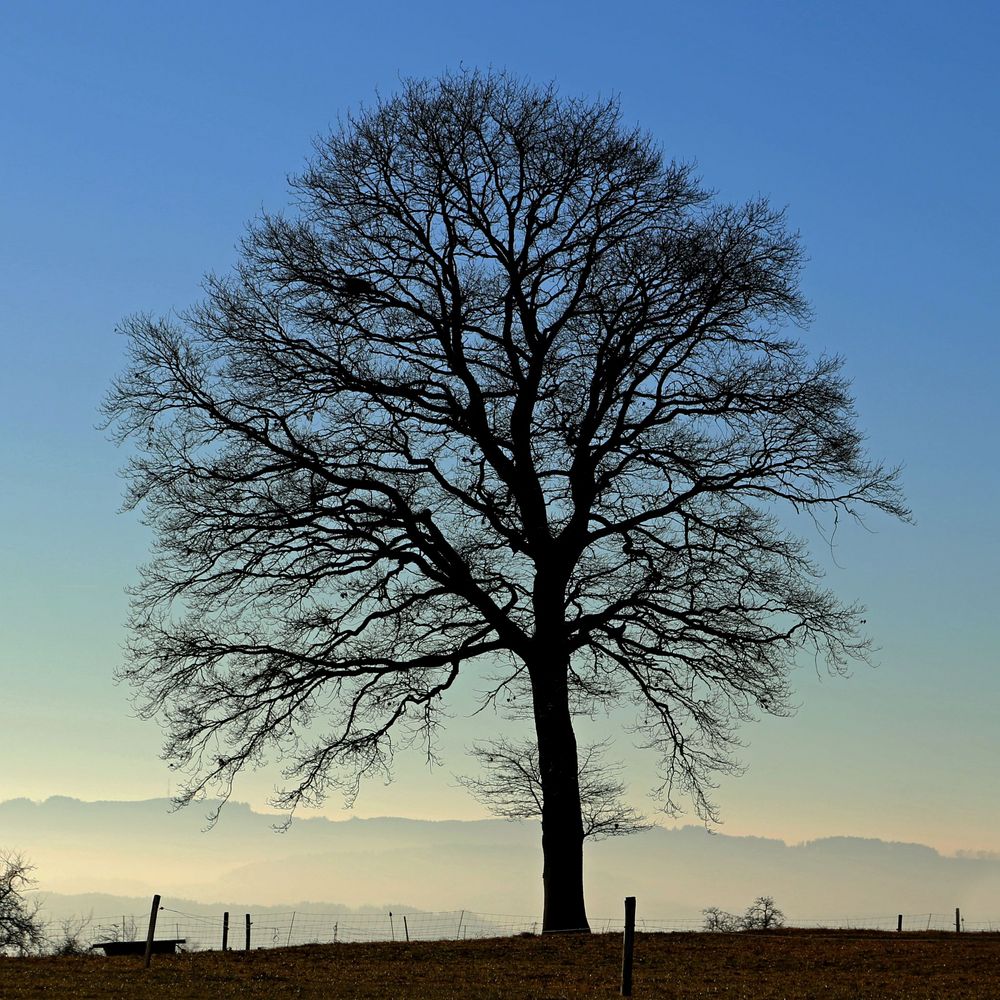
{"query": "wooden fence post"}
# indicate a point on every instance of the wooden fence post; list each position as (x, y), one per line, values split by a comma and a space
(899, 922)
(248, 933)
(406, 929)
(225, 931)
(154, 910)
(958, 921)
(627, 945)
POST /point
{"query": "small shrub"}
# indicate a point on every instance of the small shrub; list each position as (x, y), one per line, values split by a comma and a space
(720, 920)
(761, 915)
(127, 930)
(72, 937)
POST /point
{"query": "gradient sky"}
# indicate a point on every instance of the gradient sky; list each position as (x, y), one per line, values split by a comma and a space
(137, 140)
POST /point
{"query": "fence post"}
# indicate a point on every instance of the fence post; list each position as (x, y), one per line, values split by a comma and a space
(461, 918)
(899, 922)
(248, 932)
(627, 945)
(225, 931)
(406, 929)
(154, 910)
(958, 921)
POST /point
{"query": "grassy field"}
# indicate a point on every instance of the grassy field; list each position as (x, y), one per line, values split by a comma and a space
(780, 965)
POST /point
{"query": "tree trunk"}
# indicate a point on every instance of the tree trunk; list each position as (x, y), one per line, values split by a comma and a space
(562, 824)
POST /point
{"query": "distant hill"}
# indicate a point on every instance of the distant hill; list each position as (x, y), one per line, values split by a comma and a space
(132, 849)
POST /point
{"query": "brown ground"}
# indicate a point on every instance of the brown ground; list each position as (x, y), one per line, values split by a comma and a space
(781, 965)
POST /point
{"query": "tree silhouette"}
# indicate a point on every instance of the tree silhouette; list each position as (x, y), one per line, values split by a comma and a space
(509, 784)
(762, 915)
(21, 928)
(506, 391)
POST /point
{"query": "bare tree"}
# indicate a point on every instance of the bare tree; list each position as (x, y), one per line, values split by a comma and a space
(762, 915)
(22, 930)
(507, 391)
(509, 784)
(720, 921)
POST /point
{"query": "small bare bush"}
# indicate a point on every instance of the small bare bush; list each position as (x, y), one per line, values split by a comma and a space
(127, 930)
(761, 915)
(71, 938)
(719, 920)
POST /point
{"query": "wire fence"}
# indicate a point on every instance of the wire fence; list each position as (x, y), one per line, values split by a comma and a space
(296, 927)
(902, 921)
(201, 932)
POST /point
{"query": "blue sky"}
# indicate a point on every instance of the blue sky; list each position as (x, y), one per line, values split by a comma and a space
(136, 141)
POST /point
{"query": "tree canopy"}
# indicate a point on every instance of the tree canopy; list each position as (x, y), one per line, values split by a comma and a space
(505, 390)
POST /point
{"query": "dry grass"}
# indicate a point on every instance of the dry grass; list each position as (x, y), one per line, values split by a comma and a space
(783, 965)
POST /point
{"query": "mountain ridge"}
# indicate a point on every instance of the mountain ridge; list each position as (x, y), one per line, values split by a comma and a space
(131, 849)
